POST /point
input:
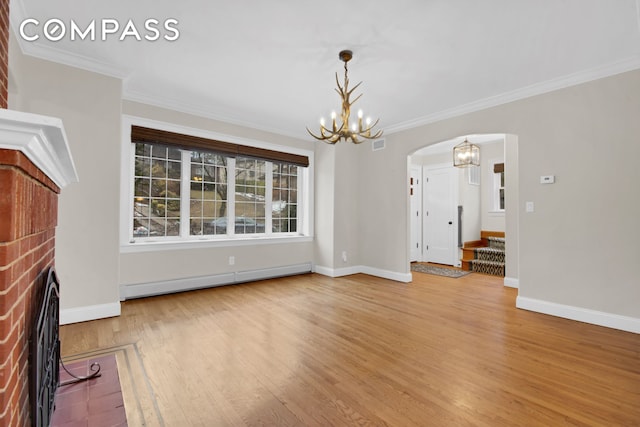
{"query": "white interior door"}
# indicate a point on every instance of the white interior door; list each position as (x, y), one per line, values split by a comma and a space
(415, 196)
(440, 216)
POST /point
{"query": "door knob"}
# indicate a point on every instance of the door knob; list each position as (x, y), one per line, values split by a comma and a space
(450, 222)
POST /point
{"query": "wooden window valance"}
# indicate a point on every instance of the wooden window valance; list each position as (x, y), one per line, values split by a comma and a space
(145, 135)
(498, 168)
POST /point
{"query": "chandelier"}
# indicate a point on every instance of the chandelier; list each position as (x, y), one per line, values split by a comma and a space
(466, 154)
(355, 132)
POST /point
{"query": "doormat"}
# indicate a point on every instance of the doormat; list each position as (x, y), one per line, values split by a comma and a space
(438, 271)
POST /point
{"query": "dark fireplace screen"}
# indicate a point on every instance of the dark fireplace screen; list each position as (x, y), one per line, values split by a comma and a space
(44, 352)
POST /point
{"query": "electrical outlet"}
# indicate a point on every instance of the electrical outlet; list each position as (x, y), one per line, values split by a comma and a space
(344, 256)
(232, 260)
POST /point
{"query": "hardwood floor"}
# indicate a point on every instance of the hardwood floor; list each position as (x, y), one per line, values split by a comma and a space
(314, 351)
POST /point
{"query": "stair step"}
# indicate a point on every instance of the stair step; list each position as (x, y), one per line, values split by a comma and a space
(496, 242)
(490, 254)
(486, 255)
(488, 267)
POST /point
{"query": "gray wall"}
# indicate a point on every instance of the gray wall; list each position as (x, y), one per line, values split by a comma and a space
(585, 135)
(87, 260)
(324, 218)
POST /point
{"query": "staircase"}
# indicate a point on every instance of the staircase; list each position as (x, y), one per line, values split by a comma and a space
(485, 255)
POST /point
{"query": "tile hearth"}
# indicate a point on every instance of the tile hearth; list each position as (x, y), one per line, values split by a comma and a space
(96, 402)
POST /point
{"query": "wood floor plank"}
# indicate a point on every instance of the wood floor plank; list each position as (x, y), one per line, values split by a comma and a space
(311, 350)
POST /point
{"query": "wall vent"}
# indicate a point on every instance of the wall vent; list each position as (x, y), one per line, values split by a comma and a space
(377, 145)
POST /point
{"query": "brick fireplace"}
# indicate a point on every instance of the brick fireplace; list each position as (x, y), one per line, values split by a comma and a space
(35, 163)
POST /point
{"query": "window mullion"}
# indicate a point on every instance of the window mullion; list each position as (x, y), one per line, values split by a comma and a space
(185, 193)
(132, 171)
(268, 198)
(300, 213)
(231, 196)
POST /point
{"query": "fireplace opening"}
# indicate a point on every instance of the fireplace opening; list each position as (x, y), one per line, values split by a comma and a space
(44, 353)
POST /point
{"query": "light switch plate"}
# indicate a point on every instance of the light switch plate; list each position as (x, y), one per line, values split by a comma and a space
(529, 207)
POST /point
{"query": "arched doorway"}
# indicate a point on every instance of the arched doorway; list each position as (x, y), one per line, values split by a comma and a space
(473, 204)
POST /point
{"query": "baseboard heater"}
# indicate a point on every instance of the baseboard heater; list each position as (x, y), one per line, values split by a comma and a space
(141, 290)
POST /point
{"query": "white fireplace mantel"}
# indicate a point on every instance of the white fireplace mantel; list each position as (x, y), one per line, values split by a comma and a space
(43, 140)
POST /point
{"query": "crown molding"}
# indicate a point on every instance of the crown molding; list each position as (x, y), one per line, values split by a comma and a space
(201, 111)
(53, 54)
(50, 53)
(574, 79)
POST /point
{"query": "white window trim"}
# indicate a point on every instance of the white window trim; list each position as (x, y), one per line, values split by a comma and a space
(268, 189)
(231, 201)
(127, 245)
(495, 187)
(184, 187)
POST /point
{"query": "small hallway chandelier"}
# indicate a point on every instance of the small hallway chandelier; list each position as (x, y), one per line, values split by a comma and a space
(355, 132)
(466, 154)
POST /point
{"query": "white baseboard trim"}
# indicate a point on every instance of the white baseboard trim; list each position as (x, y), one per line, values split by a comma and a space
(90, 312)
(385, 274)
(600, 318)
(325, 271)
(337, 272)
(191, 283)
(511, 282)
(346, 271)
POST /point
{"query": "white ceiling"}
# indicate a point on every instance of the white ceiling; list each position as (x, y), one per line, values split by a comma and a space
(270, 65)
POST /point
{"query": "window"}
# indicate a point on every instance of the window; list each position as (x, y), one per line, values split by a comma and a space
(184, 193)
(498, 186)
(156, 204)
(207, 194)
(250, 195)
(284, 198)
